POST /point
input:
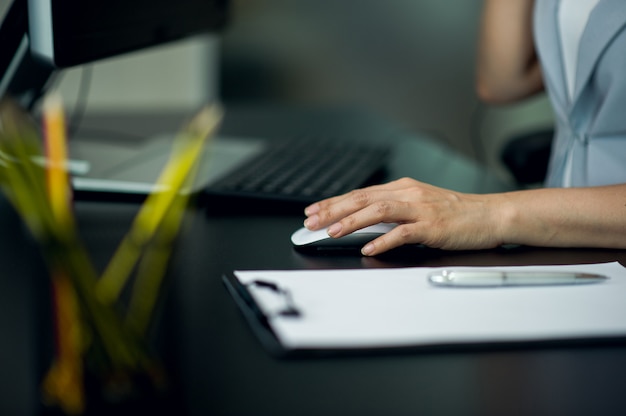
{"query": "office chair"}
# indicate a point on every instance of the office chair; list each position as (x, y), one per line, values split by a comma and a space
(526, 156)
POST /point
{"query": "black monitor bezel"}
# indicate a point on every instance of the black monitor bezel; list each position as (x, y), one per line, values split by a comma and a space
(86, 31)
(25, 74)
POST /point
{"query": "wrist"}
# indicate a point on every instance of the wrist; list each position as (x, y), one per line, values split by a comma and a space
(506, 215)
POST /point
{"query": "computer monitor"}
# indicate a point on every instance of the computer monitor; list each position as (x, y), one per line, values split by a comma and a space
(39, 37)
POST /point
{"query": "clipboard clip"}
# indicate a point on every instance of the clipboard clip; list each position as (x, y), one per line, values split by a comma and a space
(289, 310)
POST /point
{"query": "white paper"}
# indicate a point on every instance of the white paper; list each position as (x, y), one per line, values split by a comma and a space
(398, 307)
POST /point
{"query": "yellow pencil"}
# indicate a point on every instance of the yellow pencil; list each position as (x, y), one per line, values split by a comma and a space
(154, 211)
(58, 185)
(63, 383)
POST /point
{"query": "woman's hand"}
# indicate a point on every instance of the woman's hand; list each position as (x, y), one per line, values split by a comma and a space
(426, 214)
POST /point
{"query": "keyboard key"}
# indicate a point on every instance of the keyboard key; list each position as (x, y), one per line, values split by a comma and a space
(302, 170)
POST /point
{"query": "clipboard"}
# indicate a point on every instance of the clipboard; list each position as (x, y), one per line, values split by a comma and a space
(260, 326)
(255, 318)
(597, 326)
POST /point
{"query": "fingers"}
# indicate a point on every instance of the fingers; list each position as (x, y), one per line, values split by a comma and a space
(392, 239)
(327, 212)
(380, 211)
(386, 210)
(324, 213)
(342, 205)
(360, 208)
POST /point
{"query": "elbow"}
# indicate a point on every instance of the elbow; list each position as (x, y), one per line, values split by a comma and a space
(486, 94)
(494, 88)
(491, 93)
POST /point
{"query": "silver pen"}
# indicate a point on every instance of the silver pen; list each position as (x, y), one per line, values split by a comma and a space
(493, 278)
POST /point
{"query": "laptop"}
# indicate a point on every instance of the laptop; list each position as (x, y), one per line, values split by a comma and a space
(235, 171)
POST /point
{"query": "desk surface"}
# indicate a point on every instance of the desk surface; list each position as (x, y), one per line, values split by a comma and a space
(223, 369)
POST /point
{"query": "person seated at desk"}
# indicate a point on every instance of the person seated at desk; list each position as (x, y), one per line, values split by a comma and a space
(578, 55)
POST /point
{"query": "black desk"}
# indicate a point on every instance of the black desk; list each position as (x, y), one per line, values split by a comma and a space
(222, 368)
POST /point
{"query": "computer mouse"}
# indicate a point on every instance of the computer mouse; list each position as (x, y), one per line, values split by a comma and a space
(304, 238)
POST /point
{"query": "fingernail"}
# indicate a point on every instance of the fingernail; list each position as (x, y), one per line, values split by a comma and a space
(368, 249)
(334, 229)
(311, 209)
(311, 222)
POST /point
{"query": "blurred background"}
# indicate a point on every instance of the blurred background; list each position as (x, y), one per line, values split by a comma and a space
(411, 61)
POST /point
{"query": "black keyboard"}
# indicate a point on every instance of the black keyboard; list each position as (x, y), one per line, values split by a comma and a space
(299, 172)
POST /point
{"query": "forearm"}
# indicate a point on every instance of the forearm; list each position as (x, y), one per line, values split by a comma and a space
(450, 220)
(507, 66)
(570, 217)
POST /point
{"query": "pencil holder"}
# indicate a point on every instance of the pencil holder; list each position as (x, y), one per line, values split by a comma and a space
(104, 359)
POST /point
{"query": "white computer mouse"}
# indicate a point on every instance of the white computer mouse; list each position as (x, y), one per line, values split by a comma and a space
(304, 238)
